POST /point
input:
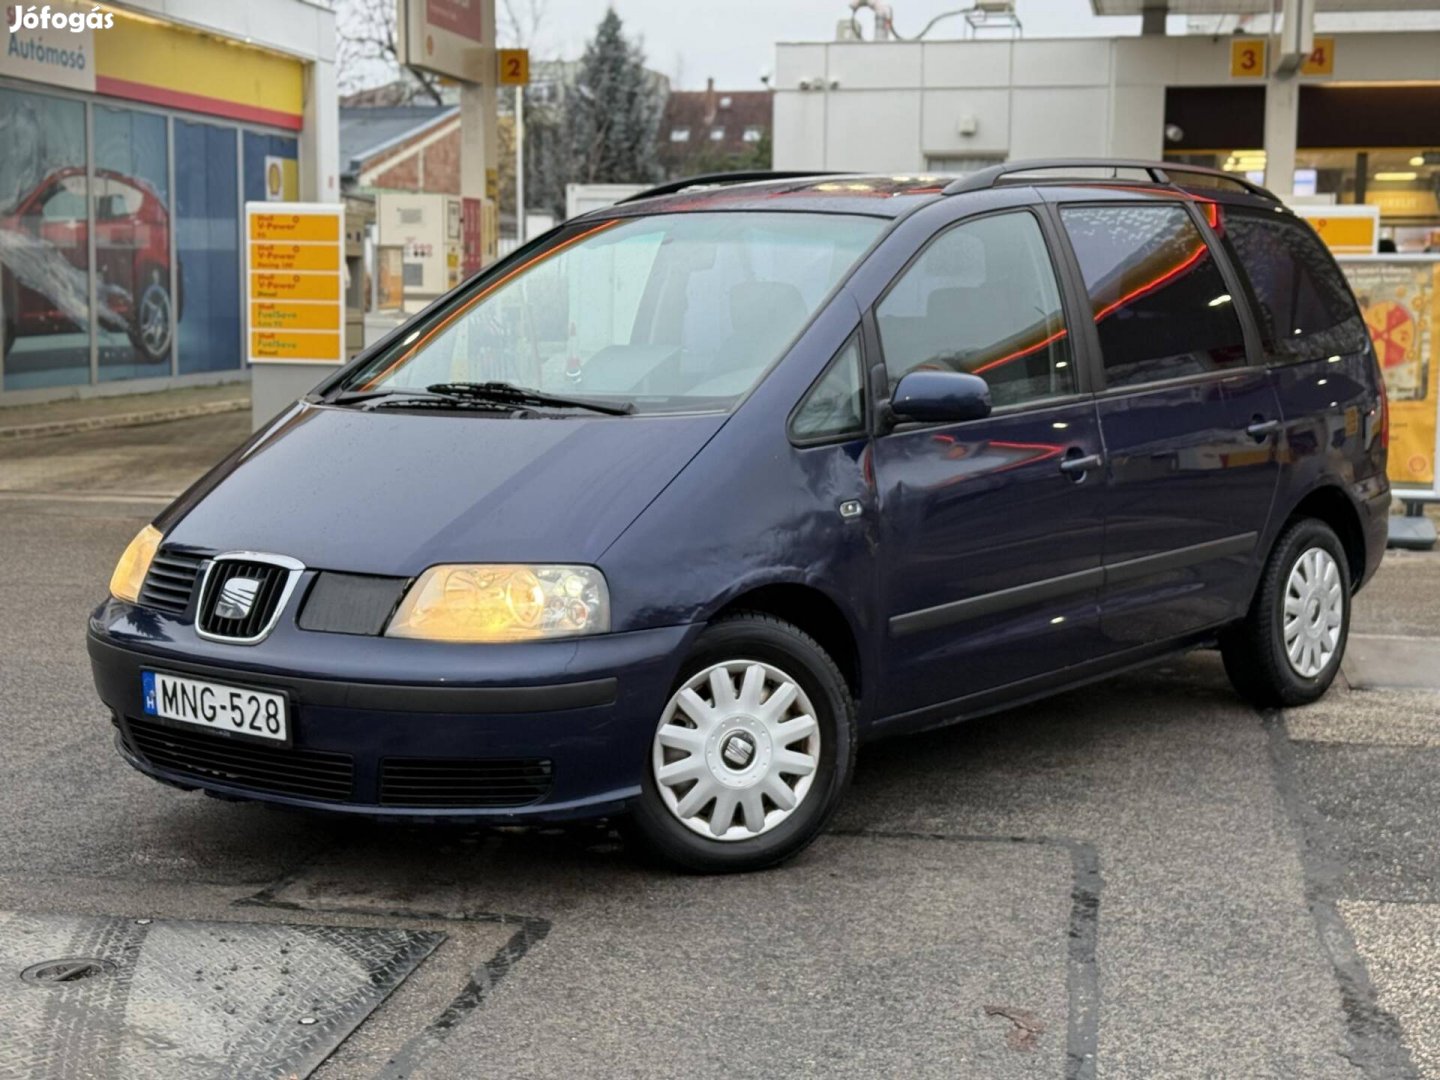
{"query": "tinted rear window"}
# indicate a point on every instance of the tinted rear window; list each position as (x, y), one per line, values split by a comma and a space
(1298, 293)
(1160, 304)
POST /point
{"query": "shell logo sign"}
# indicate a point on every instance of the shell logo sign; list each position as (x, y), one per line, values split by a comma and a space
(282, 179)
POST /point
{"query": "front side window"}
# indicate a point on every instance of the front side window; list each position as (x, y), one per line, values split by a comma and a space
(1299, 294)
(982, 299)
(673, 312)
(1159, 301)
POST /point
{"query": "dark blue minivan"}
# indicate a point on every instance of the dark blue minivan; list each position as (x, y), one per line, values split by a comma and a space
(668, 511)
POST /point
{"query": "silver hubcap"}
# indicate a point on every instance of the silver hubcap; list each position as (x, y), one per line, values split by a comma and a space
(154, 319)
(736, 750)
(1314, 612)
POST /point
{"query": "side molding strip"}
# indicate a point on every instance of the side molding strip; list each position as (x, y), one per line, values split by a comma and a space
(932, 618)
(1145, 566)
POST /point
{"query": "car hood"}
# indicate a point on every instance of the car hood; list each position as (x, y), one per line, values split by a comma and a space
(393, 493)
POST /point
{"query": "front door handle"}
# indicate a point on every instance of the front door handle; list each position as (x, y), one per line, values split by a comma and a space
(1261, 430)
(1076, 465)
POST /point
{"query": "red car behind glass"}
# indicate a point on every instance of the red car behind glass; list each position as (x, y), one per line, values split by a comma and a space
(132, 256)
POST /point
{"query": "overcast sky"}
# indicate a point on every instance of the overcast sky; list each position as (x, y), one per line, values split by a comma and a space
(734, 40)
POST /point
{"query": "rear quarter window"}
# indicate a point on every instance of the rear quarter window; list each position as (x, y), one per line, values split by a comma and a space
(1298, 293)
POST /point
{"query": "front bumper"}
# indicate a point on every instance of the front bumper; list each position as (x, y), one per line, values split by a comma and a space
(578, 714)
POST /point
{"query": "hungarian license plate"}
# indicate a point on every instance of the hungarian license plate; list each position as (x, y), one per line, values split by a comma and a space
(239, 710)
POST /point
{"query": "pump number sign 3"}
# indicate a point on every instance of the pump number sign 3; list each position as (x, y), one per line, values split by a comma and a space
(294, 283)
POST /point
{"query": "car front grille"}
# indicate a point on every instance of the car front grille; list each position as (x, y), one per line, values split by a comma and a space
(314, 774)
(265, 588)
(170, 580)
(458, 782)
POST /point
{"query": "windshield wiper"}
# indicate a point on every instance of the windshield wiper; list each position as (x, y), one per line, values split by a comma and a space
(510, 394)
(454, 404)
(355, 397)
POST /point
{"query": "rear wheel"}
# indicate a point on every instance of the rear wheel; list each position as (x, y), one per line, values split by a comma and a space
(751, 752)
(1288, 649)
(150, 326)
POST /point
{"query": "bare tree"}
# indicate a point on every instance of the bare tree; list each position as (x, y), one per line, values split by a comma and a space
(521, 22)
(367, 53)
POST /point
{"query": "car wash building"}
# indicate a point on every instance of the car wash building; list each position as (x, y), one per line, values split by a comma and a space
(1343, 104)
(130, 138)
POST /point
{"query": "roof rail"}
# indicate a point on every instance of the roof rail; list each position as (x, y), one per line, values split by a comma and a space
(1159, 172)
(671, 187)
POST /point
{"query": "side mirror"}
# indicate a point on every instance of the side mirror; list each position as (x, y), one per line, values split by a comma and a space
(941, 396)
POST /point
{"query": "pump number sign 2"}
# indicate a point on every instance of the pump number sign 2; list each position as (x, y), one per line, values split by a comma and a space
(294, 284)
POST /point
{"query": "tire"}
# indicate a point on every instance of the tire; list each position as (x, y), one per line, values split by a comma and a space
(1257, 657)
(149, 330)
(738, 756)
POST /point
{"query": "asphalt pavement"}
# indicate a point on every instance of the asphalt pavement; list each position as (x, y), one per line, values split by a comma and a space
(1145, 878)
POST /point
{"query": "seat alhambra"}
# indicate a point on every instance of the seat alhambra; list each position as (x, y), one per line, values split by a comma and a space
(665, 514)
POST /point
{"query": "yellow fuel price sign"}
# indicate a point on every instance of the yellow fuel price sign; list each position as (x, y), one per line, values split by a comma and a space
(294, 283)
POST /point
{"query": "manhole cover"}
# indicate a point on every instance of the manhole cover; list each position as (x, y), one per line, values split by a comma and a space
(188, 1000)
(69, 970)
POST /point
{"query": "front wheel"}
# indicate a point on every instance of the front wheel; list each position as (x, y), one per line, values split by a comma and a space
(1289, 647)
(751, 752)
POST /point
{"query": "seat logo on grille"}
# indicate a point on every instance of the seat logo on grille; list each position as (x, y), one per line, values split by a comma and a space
(237, 597)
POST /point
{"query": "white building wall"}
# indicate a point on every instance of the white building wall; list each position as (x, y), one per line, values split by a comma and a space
(894, 106)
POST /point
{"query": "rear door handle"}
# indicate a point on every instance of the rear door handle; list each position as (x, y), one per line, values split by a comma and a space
(1262, 429)
(1076, 465)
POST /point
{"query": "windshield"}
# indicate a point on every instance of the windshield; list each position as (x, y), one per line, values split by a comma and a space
(674, 312)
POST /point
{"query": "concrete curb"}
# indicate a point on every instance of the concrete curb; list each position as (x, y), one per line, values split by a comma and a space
(117, 420)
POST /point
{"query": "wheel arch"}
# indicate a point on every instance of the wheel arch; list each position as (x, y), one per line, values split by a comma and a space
(808, 608)
(1330, 504)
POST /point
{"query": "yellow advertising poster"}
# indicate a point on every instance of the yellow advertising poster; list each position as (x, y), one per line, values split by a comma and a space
(294, 282)
(1401, 302)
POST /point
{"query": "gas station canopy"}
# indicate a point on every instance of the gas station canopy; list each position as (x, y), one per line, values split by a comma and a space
(1250, 7)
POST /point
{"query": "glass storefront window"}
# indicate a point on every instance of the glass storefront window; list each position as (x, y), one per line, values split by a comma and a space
(207, 238)
(44, 242)
(101, 262)
(132, 243)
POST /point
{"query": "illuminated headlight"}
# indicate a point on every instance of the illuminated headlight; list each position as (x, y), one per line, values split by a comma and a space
(503, 602)
(134, 564)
